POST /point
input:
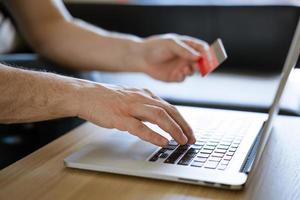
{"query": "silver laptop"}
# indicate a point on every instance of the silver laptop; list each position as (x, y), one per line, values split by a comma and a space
(229, 144)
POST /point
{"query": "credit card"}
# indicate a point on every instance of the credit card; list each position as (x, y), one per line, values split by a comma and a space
(209, 61)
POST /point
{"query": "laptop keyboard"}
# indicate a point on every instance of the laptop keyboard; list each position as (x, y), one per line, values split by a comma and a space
(212, 151)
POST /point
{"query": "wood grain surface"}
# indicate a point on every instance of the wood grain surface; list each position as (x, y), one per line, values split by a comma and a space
(42, 174)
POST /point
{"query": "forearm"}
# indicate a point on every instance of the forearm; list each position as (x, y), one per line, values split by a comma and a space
(79, 45)
(54, 33)
(28, 96)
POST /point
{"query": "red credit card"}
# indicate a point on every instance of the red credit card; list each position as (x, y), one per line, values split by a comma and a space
(209, 61)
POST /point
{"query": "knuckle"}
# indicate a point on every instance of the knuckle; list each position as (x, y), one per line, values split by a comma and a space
(147, 90)
(175, 129)
(118, 124)
(170, 41)
(159, 112)
(145, 135)
(137, 95)
(173, 108)
(140, 126)
(170, 35)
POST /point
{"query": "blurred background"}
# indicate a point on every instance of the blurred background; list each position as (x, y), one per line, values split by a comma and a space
(256, 35)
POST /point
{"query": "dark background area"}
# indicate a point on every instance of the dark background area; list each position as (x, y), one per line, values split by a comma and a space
(254, 36)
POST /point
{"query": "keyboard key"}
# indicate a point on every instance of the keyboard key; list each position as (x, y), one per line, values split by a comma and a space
(176, 154)
(217, 159)
(203, 155)
(235, 145)
(199, 143)
(211, 144)
(232, 149)
(164, 155)
(184, 147)
(153, 158)
(207, 151)
(220, 151)
(193, 150)
(197, 147)
(225, 143)
(229, 153)
(157, 154)
(202, 139)
(209, 147)
(219, 155)
(197, 164)
(211, 164)
(172, 158)
(222, 167)
(200, 159)
(224, 162)
(188, 157)
(214, 141)
(237, 141)
(173, 142)
(227, 157)
(170, 147)
(222, 147)
(185, 161)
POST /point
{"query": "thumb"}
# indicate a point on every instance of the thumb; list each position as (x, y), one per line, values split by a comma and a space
(183, 50)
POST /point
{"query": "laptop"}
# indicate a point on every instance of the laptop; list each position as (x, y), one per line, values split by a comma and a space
(229, 144)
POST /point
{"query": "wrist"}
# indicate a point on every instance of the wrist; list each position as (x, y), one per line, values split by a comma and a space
(134, 58)
(72, 97)
(84, 93)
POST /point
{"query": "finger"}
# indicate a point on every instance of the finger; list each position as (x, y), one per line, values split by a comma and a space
(140, 130)
(159, 116)
(199, 45)
(176, 75)
(182, 50)
(180, 74)
(192, 68)
(151, 94)
(188, 70)
(174, 114)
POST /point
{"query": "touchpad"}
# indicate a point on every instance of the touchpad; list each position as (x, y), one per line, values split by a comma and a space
(116, 146)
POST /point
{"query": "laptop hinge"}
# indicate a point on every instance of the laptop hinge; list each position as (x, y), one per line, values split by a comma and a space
(251, 155)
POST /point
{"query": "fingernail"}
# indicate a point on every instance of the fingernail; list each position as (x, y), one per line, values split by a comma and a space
(184, 139)
(195, 53)
(186, 70)
(165, 143)
(180, 77)
(196, 57)
(192, 140)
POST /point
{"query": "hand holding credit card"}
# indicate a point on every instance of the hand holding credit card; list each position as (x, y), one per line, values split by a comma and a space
(213, 58)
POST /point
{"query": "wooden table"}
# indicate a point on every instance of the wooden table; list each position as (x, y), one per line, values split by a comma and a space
(42, 174)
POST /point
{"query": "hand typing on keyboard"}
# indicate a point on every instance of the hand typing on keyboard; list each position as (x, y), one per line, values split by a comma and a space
(127, 109)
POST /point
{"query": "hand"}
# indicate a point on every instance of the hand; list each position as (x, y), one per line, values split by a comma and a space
(126, 109)
(171, 57)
